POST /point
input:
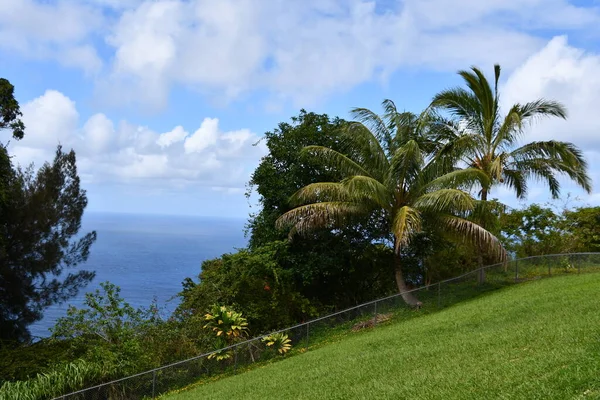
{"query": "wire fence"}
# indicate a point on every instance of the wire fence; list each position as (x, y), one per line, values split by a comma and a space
(154, 383)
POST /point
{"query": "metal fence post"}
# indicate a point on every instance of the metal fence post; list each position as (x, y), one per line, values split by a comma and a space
(549, 270)
(235, 353)
(154, 384)
(307, 335)
(578, 268)
(439, 293)
(375, 314)
(516, 270)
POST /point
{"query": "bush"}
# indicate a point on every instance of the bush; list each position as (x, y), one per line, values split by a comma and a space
(61, 379)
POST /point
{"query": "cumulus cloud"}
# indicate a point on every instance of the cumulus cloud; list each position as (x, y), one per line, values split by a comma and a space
(566, 74)
(303, 51)
(569, 75)
(299, 51)
(126, 153)
(59, 30)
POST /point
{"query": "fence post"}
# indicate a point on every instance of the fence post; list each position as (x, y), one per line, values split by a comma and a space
(516, 269)
(375, 314)
(235, 352)
(307, 335)
(439, 294)
(578, 268)
(549, 269)
(154, 384)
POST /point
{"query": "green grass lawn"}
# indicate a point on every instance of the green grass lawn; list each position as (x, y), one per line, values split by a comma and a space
(536, 340)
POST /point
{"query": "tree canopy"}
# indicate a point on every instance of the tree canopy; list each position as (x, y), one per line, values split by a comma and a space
(387, 173)
(40, 219)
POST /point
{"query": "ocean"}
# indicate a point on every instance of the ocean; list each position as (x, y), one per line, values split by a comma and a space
(148, 256)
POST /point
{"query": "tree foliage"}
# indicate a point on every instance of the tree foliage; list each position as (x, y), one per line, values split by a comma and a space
(483, 138)
(330, 268)
(10, 112)
(388, 174)
(40, 218)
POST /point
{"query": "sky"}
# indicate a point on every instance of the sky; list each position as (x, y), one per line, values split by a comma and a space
(165, 101)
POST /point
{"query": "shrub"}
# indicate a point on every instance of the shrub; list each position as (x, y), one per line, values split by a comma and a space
(228, 325)
(278, 342)
(62, 379)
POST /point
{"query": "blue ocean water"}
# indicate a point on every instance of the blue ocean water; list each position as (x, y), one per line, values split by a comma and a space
(149, 256)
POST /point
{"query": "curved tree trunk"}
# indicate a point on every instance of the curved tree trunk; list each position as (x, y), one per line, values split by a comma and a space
(408, 297)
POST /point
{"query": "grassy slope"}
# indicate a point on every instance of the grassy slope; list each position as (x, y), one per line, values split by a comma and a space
(537, 340)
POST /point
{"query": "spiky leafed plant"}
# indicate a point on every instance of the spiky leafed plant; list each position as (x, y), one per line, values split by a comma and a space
(485, 139)
(387, 172)
(228, 325)
(227, 322)
(279, 342)
(489, 141)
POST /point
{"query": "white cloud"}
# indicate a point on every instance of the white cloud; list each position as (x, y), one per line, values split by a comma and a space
(58, 30)
(304, 51)
(98, 133)
(569, 75)
(168, 138)
(204, 137)
(300, 51)
(50, 119)
(566, 74)
(126, 153)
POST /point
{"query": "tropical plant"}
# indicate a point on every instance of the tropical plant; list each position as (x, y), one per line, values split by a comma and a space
(481, 137)
(225, 321)
(389, 175)
(278, 342)
(228, 325)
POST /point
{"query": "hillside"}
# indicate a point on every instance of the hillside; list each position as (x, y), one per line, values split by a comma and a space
(536, 340)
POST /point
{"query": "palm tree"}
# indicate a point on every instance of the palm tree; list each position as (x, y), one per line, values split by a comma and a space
(388, 173)
(486, 140)
(480, 137)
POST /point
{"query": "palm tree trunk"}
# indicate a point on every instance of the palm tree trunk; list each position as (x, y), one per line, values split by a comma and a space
(408, 297)
(481, 276)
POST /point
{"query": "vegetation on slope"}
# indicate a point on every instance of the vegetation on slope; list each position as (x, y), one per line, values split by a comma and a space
(537, 340)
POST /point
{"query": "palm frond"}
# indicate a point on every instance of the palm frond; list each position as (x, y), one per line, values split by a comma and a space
(335, 160)
(481, 89)
(364, 188)
(474, 234)
(540, 170)
(405, 165)
(445, 201)
(521, 114)
(361, 145)
(543, 108)
(375, 124)
(516, 180)
(560, 157)
(406, 222)
(461, 104)
(332, 214)
(460, 178)
(320, 192)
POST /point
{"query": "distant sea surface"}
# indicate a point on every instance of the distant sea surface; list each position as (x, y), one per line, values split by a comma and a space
(149, 256)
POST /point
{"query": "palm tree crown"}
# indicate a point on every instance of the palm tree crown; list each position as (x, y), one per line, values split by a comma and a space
(388, 172)
(482, 138)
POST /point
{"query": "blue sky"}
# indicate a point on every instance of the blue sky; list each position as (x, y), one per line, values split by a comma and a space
(163, 100)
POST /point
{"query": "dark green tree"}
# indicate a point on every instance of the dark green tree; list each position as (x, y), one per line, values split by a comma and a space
(332, 268)
(583, 224)
(40, 218)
